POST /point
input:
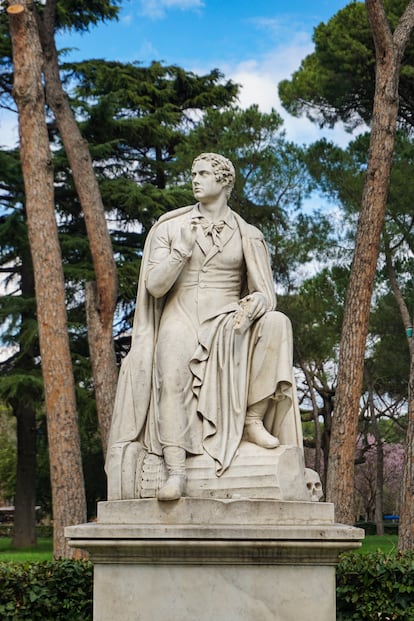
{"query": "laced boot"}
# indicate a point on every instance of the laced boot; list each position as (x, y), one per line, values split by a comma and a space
(254, 431)
(173, 488)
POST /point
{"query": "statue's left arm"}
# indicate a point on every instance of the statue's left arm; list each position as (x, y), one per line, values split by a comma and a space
(259, 273)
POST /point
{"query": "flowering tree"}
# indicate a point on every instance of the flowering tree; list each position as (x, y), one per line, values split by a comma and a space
(366, 477)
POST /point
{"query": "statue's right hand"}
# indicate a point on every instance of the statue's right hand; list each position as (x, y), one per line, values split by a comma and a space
(187, 237)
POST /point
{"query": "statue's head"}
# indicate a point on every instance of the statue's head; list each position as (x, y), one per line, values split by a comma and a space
(223, 169)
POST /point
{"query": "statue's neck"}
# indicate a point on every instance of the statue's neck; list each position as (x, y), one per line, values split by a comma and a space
(214, 211)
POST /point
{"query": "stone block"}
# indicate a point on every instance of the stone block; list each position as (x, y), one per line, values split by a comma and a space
(198, 559)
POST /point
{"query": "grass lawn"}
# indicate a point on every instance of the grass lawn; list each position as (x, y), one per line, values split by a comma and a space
(373, 543)
(43, 550)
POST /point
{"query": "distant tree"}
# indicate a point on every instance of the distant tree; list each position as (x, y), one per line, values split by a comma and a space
(136, 117)
(7, 456)
(366, 477)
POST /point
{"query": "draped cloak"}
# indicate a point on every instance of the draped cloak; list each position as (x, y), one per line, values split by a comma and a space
(222, 357)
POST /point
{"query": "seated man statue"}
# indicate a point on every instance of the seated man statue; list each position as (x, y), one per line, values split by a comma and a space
(211, 360)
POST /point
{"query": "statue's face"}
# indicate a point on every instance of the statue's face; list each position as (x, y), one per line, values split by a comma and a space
(206, 188)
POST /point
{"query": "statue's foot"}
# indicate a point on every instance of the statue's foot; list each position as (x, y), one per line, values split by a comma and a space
(173, 489)
(255, 432)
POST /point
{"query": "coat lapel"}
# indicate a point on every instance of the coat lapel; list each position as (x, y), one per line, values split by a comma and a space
(203, 241)
(225, 236)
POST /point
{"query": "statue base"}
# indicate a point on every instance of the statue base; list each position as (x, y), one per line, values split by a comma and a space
(255, 472)
(214, 559)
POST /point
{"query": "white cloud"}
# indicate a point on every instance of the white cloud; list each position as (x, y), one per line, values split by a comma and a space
(259, 79)
(146, 50)
(127, 19)
(157, 9)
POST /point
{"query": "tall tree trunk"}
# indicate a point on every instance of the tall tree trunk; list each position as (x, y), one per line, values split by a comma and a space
(24, 532)
(379, 466)
(326, 434)
(100, 296)
(406, 528)
(315, 415)
(68, 496)
(389, 51)
(104, 369)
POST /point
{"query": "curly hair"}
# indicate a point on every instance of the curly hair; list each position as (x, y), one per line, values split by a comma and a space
(222, 167)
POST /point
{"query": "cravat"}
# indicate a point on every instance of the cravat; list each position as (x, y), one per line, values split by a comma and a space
(211, 228)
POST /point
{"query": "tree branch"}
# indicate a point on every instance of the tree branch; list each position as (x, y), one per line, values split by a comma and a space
(380, 28)
(404, 312)
(404, 29)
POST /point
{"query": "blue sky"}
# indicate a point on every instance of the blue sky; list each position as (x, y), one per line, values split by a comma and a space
(195, 32)
(255, 43)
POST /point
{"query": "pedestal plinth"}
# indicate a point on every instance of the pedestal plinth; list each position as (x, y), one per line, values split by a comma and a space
(214, 560)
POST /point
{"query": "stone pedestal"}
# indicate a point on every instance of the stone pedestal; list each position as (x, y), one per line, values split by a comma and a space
(200, 559)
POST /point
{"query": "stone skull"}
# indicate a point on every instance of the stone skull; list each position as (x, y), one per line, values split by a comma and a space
(313, 484)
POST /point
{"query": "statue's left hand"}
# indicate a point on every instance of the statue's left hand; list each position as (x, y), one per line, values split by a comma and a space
(256, 305)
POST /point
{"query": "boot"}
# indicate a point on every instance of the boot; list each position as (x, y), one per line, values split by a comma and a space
(254, 431)
(173, 488)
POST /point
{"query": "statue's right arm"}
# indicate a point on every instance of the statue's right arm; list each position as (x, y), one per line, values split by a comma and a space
(168, 255)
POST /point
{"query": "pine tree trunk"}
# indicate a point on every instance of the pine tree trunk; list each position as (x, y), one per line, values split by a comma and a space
(379, 467)
(104, 369)
(100, 296)
(406, 528)
(24, 531)
(389, 50)
(68, 497)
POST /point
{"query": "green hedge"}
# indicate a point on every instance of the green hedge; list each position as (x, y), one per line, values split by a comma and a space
(46, 591)
(370, 587)
(375, 586)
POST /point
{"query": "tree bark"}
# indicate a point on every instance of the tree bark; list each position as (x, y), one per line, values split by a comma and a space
(389, 51)
(406, 527)
(24, 531)
(103, 360)
(100, 296)
(68, 497)
(315, 415)
(379, 466)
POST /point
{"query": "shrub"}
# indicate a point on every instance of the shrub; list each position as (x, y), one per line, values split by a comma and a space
(375, 586)
(370, 587)
(46, 591)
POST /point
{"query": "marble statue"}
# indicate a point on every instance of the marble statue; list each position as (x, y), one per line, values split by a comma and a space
(210, 365)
